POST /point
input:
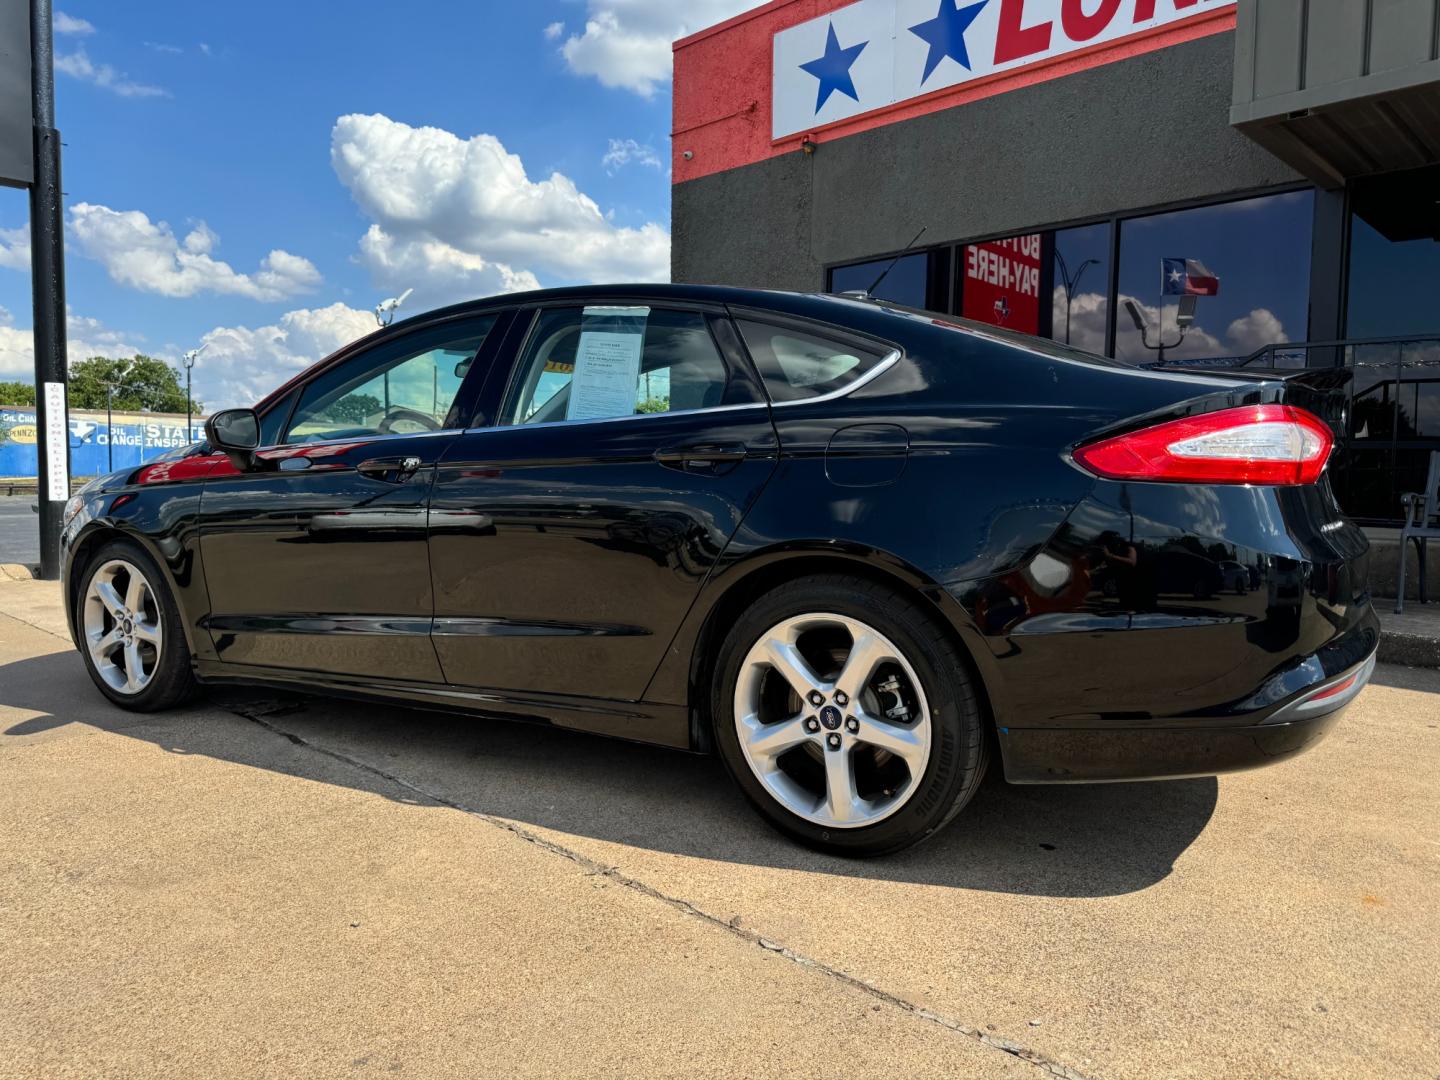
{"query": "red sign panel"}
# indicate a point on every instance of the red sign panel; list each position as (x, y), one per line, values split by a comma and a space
(1002, 283)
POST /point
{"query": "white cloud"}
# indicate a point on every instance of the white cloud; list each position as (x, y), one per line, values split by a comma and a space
(1087, 320)
(554, 30)
(69, 24)
(624, 152)
(145, 255)
(161, 47)
(626, 43)
(78, 65)
(456, 218)
(1255, 331)
(5, 317)
(15, 248)
(240, 365)
(86, 337)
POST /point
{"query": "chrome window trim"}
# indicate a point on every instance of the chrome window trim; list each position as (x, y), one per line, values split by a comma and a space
(885, 364)
(360, 440)
(618, 419)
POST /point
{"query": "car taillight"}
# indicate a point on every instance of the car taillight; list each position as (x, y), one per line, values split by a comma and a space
(1255, 444)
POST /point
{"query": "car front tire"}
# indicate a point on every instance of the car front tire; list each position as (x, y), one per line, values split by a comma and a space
(131, 636)
(848, 716)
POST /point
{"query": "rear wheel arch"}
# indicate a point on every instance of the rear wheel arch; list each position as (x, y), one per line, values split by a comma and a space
(764, 572)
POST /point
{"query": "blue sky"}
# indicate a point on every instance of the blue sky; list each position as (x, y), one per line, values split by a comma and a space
(216, 194)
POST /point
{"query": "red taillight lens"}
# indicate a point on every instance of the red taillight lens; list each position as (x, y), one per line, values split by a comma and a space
(1257, 444)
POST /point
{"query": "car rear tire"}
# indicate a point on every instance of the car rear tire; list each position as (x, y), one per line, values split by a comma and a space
(848, 716)
(130, 632)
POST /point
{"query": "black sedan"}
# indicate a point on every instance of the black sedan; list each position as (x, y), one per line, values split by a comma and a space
(856, 550)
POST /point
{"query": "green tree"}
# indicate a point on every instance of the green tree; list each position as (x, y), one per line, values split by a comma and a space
(16, 393)
(138, 382)
(353, 408)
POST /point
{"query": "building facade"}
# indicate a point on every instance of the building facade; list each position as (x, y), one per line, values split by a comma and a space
(1177, 181)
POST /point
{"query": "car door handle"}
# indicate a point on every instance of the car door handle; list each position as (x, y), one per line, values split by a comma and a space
(700, 455)
(390, 470)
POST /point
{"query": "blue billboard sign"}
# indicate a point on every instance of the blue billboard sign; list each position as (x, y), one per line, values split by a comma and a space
(97, 445)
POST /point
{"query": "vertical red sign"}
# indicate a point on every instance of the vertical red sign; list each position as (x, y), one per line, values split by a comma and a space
(1002, 283)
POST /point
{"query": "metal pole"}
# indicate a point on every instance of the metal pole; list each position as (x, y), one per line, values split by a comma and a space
(109, 427)
(189, 408)
(47, 238)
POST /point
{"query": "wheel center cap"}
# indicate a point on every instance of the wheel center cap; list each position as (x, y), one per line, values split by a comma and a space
(831, 718)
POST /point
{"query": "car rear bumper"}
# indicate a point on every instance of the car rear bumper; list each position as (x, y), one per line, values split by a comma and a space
(1182, 747)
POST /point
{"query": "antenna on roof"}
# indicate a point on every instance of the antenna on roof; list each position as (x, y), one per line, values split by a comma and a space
(886, 272)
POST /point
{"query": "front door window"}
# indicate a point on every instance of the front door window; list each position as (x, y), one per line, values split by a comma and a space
(403, 388)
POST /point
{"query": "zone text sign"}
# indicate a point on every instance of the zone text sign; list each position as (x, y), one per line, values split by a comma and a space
(877, 53)
(17, 125)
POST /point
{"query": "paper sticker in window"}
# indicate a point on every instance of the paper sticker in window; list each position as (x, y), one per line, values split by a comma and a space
(607, 362)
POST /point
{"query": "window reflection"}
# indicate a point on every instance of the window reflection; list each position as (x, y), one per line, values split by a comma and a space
(1395, 256)
(1081, 303)
(905, 284)
(1259, 249)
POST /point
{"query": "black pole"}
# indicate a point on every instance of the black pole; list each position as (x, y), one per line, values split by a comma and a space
(189, 408)
(109, 427)
(47, 245)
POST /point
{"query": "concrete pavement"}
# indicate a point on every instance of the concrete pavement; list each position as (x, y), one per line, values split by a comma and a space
(267, 886)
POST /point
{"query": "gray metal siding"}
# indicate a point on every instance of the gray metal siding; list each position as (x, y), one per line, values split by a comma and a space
(1287, 47)
(1141, 132)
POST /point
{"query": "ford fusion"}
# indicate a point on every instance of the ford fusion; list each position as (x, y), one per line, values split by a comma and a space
(860, 552)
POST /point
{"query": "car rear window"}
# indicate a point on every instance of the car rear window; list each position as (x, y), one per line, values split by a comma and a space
(797, 364)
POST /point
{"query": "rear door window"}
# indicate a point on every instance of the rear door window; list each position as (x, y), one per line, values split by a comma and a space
(797, 364)
(603, 362)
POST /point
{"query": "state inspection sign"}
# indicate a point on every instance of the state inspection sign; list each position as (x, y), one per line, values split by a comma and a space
(17, 124)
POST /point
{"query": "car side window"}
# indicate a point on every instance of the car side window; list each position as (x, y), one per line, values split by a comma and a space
(602, 362)
(401, 387)
(796, 364)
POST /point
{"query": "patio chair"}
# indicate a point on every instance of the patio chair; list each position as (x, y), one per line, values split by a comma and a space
(1422, 522)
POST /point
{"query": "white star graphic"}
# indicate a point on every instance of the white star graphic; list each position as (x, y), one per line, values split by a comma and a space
(1175, 275)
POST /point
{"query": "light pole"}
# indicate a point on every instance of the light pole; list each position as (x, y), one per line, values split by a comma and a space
(385, 310)
(1071, 284)
(1184, 320)
(190, 358)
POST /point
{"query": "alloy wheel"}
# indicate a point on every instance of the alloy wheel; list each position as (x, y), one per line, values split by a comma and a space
(832, 720)
(122, 627)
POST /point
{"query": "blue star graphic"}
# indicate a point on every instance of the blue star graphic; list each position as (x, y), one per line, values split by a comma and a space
(945, 34)
(833, 69)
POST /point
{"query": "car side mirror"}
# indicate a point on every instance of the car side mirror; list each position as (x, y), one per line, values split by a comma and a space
(235, 432)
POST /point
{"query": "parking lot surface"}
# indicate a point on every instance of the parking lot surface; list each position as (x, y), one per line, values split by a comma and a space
(19, 529)
(268, 886)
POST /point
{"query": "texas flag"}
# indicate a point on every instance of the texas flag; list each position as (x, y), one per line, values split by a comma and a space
(1188, 277)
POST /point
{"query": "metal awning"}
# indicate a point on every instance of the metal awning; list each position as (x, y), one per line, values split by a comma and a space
(1340, 90)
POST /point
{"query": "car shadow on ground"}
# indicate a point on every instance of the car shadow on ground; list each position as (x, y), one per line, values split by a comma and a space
(1073, 841)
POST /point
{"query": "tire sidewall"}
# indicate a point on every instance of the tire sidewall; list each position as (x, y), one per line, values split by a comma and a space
(956, 749)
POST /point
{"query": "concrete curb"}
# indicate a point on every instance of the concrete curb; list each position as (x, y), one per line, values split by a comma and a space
(16, 572)
(1412, 639)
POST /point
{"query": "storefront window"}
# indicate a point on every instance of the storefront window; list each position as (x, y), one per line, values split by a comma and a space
(1081, 303)
(906, 284)
(1395, 256)
(1246, 264)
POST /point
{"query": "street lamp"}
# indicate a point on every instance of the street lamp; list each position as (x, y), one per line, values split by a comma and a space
(190, 358)
(1072, 284)
(1184, 320)
(385, 310)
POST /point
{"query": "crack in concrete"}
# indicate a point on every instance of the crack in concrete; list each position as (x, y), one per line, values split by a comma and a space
(593, 868)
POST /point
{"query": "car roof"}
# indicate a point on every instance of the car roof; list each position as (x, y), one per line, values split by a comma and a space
(817, 305)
